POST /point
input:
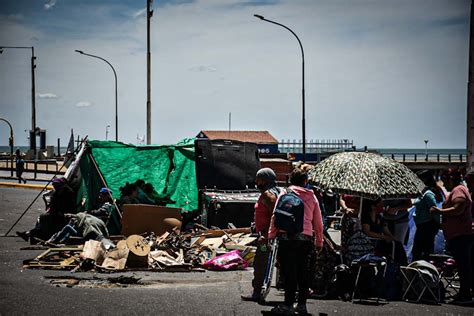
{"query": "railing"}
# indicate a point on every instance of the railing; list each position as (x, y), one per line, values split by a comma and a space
(431, 157)
(318, 146)
(49, 166)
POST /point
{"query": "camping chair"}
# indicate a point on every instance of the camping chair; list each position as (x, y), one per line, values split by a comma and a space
(421, 284)
(373, 265)
(449, 274)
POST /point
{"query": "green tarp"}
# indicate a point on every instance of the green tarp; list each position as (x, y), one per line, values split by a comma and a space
(171, 170)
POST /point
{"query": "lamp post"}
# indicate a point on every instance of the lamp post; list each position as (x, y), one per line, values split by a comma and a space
(149, 14)
(107, 132)
(426, 149)
(303, 122)
(116, 98)
(33, 93)
(10, 142)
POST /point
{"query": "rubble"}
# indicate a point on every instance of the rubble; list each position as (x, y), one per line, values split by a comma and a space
(171, 251)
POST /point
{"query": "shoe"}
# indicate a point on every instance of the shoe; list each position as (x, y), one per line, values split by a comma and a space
(283, 309)
(24, 235)
(301, 309)
(254, 297)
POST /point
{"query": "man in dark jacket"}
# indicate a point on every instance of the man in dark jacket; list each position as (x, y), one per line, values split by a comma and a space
(63, 200)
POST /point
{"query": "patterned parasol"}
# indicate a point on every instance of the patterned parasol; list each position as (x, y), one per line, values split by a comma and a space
(367, 175)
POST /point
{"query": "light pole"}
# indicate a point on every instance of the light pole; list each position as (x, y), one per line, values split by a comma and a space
(107, 132)
(116, 98)
(303, 122)
(33, 93)
(10, 142)
(426, 149)
(149, 14)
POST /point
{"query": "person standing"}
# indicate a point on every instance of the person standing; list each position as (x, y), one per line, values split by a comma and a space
(265, 181)
(427, 224)
(457, 228)
(295, 249)
(20, 166)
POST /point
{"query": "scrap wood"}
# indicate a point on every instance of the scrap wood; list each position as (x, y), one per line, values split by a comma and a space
(221, 232)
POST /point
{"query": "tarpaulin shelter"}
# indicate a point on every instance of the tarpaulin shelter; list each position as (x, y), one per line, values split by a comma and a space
(169, 168)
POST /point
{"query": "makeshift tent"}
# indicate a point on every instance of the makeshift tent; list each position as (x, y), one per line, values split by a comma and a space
(170, 169)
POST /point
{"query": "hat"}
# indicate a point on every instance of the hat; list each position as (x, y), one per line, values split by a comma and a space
(105, 190)
(61, 180)
(266, 173)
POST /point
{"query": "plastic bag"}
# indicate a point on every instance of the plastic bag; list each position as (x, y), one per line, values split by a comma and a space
(229, 261)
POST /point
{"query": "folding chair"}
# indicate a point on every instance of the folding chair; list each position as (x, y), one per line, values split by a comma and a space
(417, 286)
(374, 266)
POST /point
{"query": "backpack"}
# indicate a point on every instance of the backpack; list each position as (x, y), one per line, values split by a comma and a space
(289, 213)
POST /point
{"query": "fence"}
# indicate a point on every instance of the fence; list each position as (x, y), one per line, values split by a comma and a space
(315, 147)
(50, 166)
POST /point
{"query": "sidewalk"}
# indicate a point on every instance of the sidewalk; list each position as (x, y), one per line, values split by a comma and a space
(17, 185)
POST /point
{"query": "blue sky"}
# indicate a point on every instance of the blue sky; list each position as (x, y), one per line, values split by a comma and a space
(383, 73)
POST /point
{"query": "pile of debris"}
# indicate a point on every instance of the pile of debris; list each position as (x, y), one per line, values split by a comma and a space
(221, 249)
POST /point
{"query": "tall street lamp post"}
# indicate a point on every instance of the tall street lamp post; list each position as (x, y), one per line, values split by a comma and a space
(33, 93)
(303, 122)
(116, 98)
(10, 142)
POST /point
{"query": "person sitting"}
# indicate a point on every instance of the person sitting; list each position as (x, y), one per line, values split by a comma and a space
(63, 200)
(128, 195)
(374, 226)
(107, 211)
(148, 195)
(82, 225)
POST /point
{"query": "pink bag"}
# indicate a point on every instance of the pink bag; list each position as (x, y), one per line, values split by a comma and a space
(229, 261)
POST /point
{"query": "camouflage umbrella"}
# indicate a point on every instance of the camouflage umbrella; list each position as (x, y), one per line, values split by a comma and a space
(366, 175)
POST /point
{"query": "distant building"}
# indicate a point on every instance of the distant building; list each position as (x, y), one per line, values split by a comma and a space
(267, 144)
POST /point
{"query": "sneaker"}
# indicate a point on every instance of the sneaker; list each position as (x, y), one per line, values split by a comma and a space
(24, 235)
(254, 297)
(283, 309)
(301, 309)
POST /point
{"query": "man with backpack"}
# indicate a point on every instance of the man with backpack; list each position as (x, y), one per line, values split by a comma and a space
(265, 181)
(297, 224)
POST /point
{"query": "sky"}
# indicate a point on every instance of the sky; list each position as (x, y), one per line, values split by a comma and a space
(384, 73)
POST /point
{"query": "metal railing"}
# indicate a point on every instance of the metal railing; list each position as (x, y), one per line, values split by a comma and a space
(318, 146)
(50, 166)
(431, 157)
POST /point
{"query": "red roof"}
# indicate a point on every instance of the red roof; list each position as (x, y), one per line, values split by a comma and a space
(258, 137)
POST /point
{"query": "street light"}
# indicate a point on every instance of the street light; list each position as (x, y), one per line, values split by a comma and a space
(10, 142)
(33, 93)
(303, 122)
(426, 149)
(107, 132)
(116, 99)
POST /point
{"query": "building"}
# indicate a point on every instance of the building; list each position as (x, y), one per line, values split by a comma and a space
(267, 144)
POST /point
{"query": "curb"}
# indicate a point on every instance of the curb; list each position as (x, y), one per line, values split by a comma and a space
(24, 186)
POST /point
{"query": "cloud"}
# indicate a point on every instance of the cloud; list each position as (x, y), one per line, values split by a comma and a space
(140, 13)
(50, 4)
(203, 68)
(83, 104)
(47, 95)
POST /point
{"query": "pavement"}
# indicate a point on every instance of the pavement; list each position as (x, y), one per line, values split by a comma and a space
(29, 292)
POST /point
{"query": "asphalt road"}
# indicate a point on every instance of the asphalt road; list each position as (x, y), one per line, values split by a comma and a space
(205, 293)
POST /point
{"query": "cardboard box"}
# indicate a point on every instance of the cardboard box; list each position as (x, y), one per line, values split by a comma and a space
(142, 218)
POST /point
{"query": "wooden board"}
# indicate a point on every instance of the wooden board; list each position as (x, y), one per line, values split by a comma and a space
(141, 218)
